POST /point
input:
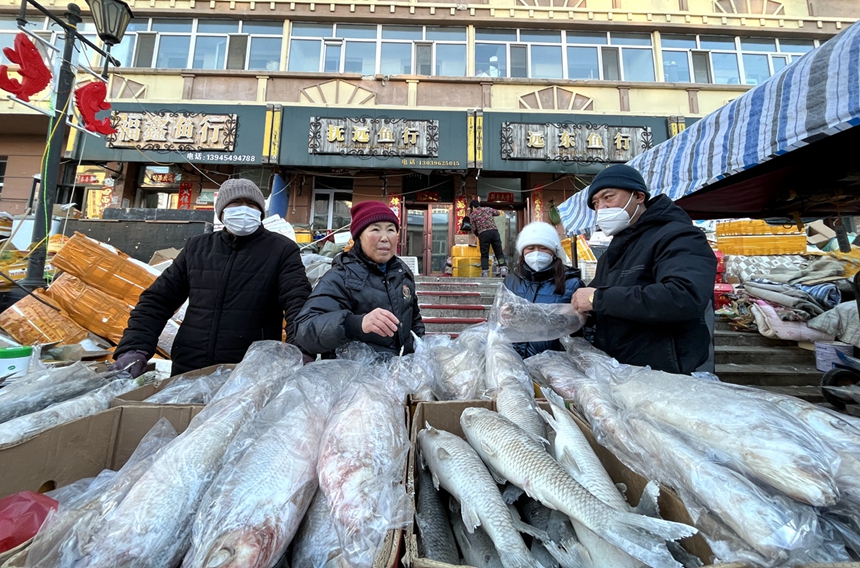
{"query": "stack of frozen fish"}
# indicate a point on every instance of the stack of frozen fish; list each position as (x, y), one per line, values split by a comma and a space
(49, 397)
(768, 479)
(234, 488)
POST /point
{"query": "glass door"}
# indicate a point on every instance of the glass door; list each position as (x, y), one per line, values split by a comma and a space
(427, 236)
(415, 241)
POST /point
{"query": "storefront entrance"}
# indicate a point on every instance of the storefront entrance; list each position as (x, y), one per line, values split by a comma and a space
(428, 235)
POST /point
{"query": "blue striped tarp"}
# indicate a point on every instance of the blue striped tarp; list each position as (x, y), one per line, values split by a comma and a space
(816, 96)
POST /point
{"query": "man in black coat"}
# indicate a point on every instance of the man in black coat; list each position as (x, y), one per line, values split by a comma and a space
(648, 300)
(242, 283)
(368, 295)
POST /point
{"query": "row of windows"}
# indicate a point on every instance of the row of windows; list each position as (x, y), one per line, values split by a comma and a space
(435, 50)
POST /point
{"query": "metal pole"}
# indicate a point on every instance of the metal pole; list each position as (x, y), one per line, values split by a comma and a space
(45, 204)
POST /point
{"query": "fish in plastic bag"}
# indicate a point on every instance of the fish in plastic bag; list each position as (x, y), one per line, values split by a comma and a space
(516, 320)
(254, 507)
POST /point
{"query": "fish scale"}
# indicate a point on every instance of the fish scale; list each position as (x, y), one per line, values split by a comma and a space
(517, 456)
(458, 469)
(436, 536)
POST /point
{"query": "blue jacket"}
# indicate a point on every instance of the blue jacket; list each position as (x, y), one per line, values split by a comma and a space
(539, 287)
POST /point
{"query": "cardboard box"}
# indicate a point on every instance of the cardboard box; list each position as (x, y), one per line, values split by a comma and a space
(164, 255)
(138, 396)
(465, 251)
(818, 240)
(83, 448)
(468, 240)
(91, 308)
(819, 228)
(73, 212)
(446, 416)
(105, 268)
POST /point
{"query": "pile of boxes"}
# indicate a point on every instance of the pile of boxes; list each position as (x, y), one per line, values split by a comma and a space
(754, 237)
(96, 293)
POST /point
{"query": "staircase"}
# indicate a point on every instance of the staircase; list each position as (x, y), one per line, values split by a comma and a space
(745, 358)
(448, 305)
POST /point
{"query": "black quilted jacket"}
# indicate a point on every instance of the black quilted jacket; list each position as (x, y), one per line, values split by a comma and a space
(353, 287)
(240, 290)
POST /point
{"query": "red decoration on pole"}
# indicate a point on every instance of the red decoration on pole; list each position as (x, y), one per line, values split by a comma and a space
(90, 99)
(35, 75)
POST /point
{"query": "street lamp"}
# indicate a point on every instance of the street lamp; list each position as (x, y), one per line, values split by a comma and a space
(111, 19)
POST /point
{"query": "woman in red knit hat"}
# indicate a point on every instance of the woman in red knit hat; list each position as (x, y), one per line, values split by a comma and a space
(368, 295)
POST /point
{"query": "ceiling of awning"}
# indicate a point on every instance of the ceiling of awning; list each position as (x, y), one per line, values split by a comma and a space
(821, 179)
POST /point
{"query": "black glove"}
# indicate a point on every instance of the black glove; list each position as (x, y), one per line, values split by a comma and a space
(132, 361)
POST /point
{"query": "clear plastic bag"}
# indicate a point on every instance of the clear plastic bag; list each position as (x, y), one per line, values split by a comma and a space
(65, 536)
(316, 542)
(45, 389)
(254, 506)
(152, 524)
(516, 320)
(460, 365)
(24, 427)
(187, 390)
(731, 460)
(361, 468)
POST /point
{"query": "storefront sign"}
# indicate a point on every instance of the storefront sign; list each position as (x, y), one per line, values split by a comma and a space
(368, 136)
(173, 131)
(427, 196)
(163, 178)
(573, 142)
(88, 179)
(501, 196)
(459, 212)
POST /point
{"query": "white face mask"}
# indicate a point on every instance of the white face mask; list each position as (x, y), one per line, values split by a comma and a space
(241, 220)
(613, 220)
(538, 260)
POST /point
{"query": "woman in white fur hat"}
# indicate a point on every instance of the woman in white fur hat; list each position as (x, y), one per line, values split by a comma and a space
(541, 276)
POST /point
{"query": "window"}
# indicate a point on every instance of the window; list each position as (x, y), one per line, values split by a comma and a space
(549, 54)
(371, 49)
(332, 202)
(3, 160)
(727, 60)
(201, 44)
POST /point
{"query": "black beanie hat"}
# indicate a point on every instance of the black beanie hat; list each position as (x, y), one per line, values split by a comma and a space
(619, 176)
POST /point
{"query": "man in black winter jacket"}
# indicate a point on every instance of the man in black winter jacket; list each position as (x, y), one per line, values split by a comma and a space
(648, 300)
(242, 283)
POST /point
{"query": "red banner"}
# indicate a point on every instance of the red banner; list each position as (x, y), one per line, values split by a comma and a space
(459, 212)
(185, 195)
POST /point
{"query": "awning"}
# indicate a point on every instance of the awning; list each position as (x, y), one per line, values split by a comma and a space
(808, 102)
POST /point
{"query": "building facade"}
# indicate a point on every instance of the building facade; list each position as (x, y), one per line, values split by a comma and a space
(422, 105)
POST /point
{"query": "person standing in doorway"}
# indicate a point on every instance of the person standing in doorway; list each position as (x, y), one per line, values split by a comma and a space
(488, 235)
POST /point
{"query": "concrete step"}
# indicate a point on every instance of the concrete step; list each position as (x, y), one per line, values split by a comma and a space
(455, 297)
(769, 375)
(449, 325)
(457, 311)
(726, 337)
(751, 355)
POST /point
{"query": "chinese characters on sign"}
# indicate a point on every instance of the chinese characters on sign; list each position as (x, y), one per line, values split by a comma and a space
(501, 196)
(379, 137)
(162, 178)
(573, 142)
(173, 131)
(185, 195)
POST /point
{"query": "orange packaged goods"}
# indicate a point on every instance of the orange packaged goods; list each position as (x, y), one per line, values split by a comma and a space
(98, 312)
(105, 268)
(30, 321)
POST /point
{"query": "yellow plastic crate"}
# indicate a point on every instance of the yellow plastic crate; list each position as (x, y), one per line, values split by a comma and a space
(465, 251)
(468, 267)
(583, 251)
(758, 245)
(754, 227)
(304, 237)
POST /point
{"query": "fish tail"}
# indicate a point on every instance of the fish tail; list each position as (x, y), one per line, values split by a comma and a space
(517, 559)
(570, 554)
(648, 503)
(644, 538)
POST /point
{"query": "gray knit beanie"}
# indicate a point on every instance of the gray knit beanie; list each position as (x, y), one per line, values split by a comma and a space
(237, 188)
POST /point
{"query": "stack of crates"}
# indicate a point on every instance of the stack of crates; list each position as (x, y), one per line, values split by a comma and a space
(466, 261)
(754, 237)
